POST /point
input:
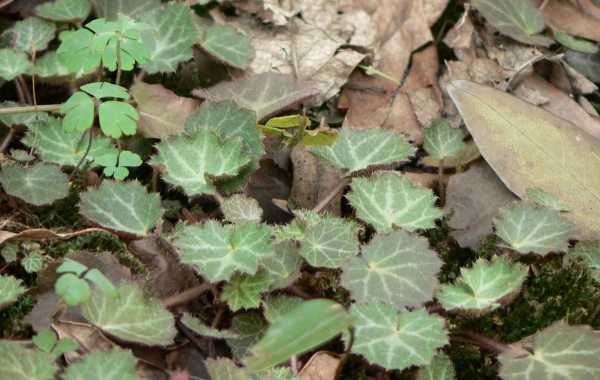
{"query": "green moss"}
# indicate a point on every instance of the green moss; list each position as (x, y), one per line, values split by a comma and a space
(9, 317)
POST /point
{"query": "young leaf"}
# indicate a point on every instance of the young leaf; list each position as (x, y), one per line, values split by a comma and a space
(75, 52)
(64, 345)
(117, 118)
(358, 149)
(45, 340)
(396, 341)
(279, 304)
(560, 351)
(74, 290)
(250, 327)
(310, 324)
(575, 43)
(32, 31)
(219, 250)
(79, 109)
(73, 266)
(20, 363)
(240, 209)
(122, 206)
(590, 252)
(74, 11)
(33, 262)
(193, 162)
(284, 266)
(28, 118)
(201, 329)
(101, 90)
(116, 165)
(10, 290)
(118, 364)
(225, 369)
(263, 93)
(483, 288)
(535, 156)
(440, 368)
(38, 184)
(110, 9)
(176, 31)
(529, 228)
(519, 19)
(13, 64)
(397, 268)
(131, 317)
(329, 243)
(389, 200)
(226, 44)
(103, 283)
(469, 153)
(441, 140)
(541, 197)
(242, 291)
(9, 252)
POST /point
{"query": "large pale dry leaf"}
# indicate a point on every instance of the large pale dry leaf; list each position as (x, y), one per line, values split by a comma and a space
(530, 147)
(581, 17)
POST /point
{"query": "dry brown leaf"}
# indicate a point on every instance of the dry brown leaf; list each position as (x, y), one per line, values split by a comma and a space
(461, 35)
(89, 338)
(321, 366)
(35, 234)
(268, 183)
(577, 17)
(428, 180)
(422, 86)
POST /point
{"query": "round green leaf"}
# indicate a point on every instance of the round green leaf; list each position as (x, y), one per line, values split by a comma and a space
(38, 184)
(117, 118)
(10, 290)
(79, 109)
(75, 291)
(13, 64)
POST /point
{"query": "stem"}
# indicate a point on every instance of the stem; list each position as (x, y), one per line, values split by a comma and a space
(480, 340)
(89, 147)
(294, 364)
(37, 120)
(441, 182)
(332, 194)
(28, 109)
(188, 216)
(7, 139)
(300, 132)
(185, 296)
(218, 197)
(25, 89)
(118, 62)
(155, 178)
(19, 91)
(346, 355)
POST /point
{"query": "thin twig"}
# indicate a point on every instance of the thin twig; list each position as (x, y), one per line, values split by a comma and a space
(29, 109)
(480, 340)
(89, 147)
(332, 194)
(37, 119)
(25, 89)
(183, 328)
(294, 365)
(155, 178)
(219, 197)
(189, 216)
(441, 182)
(344, 359)
(118, 80)
(20, 93)
(186, 296)
(544, 3)
(7, 139)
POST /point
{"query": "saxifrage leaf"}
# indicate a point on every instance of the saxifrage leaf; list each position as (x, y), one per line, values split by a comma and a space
(397, 268)
(441, 140)
(240, 209)
(110, 9)
(440, 368)
(13, 64)
(27, 118)
(530, 147)
(276, 305)
(242, 291)
(250, 327)
(201, 329)
(329, 243)
(225, 43)
(590, 252)
(65, 10)
(20, 363)
(10, 290)
(30, 32)
(117, 364)
(39, 184)
(284, 266)
(586, 64)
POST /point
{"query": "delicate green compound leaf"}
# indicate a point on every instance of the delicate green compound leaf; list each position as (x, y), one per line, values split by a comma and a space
(27, 118)
(284, 266)
(54, 144)
(519, 19)
(10, 251)
(32, 262)
(240, 209)
(116, 165)
(358, 149)
(225, 369)
(79, 109)
(38, 184)
(440, 368)
(219, 250)
(101, 90)
(122, 206)
(541, 197)
(306, 326)
(65, 10)
(117, 118)
(396, 341)
(110, 9)
(118, 364)
(32, 31)
(176, 32)
(277, 305)
(64, 345)
(45, 340)
(193, 162)
(250, 327)
(263, 93)
(226, 44)
(397, 268)
(560, 352)
(13, 64)
(242, 291)
(590, 252)
(203, 330)
(441, 140)
(586, 64)
(329, 243)
(74, 290)
(10, 290)
(20, 363)
(484, 287)
(131, 317)
(575, 43)
(526, 228)
(389, 200)
(74, 51)
(103, 283)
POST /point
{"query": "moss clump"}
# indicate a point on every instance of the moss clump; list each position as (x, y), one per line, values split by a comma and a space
(9, 317)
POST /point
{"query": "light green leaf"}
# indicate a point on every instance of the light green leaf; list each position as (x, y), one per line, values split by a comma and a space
(75, 52)
(519, 19)
(396, 341)
(27, 118)
(250, 327)
(101, 90)
(38, 184)
(73, 266)
(94, 275)
(10, 290)
(32, 31)
(131, 317)
(484, 287)
(441, 140)
(176, 32)
(79, 109)
(201, 329)
(117, 118)
(193, 162)
(21, 155)
(358, 149)
(397, 268)
(10, 251)
(329, 243)
(116, 166)
(226, 44)
(276, 305)
(45, 340)
(590, 252)
(242, 291)
(118, 364)
(440, 368)
(32, 262)
(389, 200)
(560, 352)
(20, 363)
(469, 153)
(219, 251)
(541, 197)
(64, 345)
(575, 43)
(110, 9)
(74, 290)
(284, 266)
(586, 64)
(263, 93)
(225, 369)
(65, 10)
(526, 228)
(306, 326)
(13, 64)
(122, 206)
(240, 209)
(287, 121)
(63, 148)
